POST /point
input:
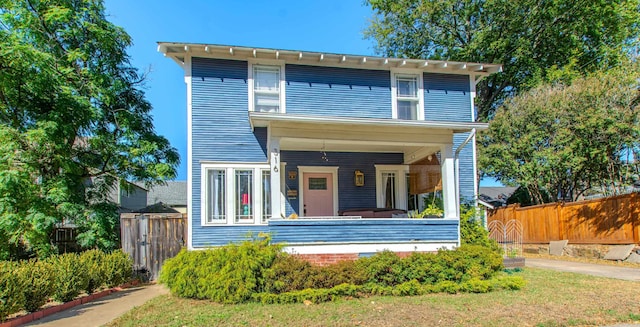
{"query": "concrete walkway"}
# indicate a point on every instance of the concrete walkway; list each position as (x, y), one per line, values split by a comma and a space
(103, 310)
(625, 273)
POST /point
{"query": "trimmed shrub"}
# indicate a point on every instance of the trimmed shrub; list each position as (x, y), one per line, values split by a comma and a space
(309, 294)
(29, 284)
(343, 272)
(12, 297)
(288, 273)
(508, 282)
(446, 287)
(257, 271)
(94, 261)
(465, 263)
(180, 273)
(459, 265)
(410, 288)
(38, 281)
(117, 268)
(384, 268)
(376, 289)
(229, 274)
(476, 285)
(70, 276)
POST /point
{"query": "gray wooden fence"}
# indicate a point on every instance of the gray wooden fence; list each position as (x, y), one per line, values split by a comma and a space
(152, 238)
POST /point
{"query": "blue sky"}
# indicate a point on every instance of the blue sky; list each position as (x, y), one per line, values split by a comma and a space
(326, 26)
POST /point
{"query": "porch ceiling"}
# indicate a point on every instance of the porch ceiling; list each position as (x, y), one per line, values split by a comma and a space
(330, 145)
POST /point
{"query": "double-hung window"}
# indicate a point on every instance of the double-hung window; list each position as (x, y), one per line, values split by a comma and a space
(406, 95)
(266, 88)
(236, 194)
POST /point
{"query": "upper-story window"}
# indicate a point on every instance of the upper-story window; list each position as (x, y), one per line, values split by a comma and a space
(407, 96)
(267, 88)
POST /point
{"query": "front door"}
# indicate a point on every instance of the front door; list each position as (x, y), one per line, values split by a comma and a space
(318, 194)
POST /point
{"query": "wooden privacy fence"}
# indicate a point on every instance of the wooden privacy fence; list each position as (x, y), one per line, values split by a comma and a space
(152, 238)
(612, 220)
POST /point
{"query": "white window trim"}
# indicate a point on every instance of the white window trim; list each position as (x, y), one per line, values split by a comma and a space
(317, 169)
(401, 187)
(283, 190)
(283, 95)
(229, 192)
(394, 91)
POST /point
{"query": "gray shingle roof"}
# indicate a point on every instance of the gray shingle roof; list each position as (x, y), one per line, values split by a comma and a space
(174, 193)
(496, 195)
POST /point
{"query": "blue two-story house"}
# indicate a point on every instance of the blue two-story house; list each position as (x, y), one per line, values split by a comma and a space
(329, 153)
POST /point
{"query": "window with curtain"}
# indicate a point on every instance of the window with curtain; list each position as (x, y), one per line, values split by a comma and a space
(389, 189)
(216, 196)
(244, 196)
(266, 88)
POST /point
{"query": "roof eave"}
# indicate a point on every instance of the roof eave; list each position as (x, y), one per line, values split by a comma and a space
(177, 51)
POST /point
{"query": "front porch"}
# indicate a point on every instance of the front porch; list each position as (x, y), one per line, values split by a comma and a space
(324, 179)
(308, 154)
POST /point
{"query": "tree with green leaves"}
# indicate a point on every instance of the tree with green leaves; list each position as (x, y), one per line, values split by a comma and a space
(531, 38)
(559, 141)
(74, 123)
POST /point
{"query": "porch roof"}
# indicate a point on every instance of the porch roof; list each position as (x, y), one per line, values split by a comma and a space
(415, 139)
(262, 119)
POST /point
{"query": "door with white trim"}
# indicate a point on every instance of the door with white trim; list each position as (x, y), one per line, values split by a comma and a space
(318, 194)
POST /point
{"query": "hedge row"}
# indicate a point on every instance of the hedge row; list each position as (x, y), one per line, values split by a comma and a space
(258, 271)
(409, 288)
(28, 285)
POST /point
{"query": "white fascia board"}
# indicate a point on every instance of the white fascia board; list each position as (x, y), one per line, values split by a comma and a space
(187, 80)
(261, 119)
(172, 49)
(318, 248)
(485, 204)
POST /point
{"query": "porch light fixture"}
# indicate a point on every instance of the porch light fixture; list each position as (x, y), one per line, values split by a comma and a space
(358, 178)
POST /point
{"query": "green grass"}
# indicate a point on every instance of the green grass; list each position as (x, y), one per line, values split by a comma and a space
(549, 299)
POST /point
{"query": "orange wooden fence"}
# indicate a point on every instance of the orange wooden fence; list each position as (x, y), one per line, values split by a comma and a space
(612, 220)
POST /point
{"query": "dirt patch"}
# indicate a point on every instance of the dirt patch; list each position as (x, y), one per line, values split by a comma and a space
(587, 251)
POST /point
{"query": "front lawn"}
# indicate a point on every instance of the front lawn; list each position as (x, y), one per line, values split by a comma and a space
(549, 299)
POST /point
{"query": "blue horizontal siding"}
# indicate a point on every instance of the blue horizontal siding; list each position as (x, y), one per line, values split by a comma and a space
(220, 121)
(447, 97)
(465, 166)
(362, 230)
(350, 196)
(220, 132)
(343, 92)
(222, 235)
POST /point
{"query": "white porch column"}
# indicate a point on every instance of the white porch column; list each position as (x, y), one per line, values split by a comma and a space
(274, 163)
(448, 182)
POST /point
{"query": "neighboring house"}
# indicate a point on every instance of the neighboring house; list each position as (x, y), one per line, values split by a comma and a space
(496, 196)
(329, 138)
(129, 199)
(173, 195)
